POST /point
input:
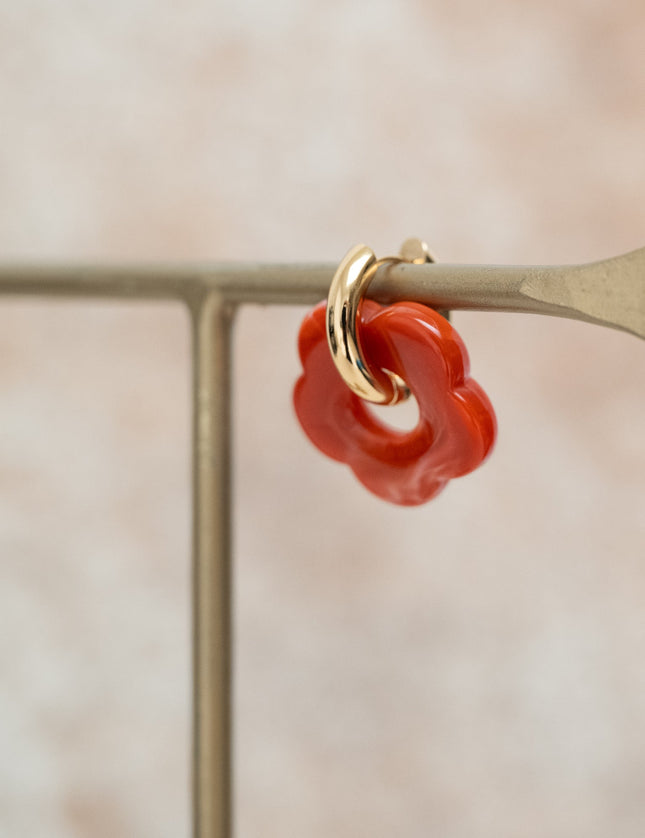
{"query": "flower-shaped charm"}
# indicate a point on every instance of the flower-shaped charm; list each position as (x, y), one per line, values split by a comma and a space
(456, 428)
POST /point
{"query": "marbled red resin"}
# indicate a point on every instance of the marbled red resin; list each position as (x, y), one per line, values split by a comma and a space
(456, 428)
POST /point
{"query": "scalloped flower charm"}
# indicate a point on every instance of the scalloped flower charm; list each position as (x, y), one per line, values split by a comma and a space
(456, 429)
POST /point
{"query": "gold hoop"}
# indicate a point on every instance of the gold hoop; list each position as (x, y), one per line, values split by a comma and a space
(348, 286)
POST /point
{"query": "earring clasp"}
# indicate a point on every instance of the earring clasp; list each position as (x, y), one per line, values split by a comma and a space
(347, 289)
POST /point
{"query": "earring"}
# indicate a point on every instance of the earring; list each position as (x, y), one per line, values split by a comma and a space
(355, 351)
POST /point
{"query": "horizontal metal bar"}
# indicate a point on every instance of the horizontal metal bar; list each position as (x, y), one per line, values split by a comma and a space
(610, 292)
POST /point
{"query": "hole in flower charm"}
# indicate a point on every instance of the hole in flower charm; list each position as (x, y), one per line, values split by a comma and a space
(456, 427)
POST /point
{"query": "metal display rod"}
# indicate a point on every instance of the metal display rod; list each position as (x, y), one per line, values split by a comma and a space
(610, 293)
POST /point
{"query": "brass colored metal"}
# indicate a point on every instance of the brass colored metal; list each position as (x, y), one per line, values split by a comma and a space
(212, 572)
(349, 285)
(611, 293)
(417, 251)
(345, 293)
(608, 293)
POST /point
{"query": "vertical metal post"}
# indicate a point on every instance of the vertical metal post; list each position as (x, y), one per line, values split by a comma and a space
(212, 637)
(611, 292)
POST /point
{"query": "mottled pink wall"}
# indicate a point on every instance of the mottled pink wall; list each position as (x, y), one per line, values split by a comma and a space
(470, 668)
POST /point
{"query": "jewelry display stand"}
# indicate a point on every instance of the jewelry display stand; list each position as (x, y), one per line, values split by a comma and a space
(610, 293)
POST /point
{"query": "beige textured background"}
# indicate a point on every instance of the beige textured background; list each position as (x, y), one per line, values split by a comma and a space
(470, 668)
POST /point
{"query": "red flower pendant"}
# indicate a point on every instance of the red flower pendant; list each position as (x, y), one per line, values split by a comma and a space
(456, 428)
